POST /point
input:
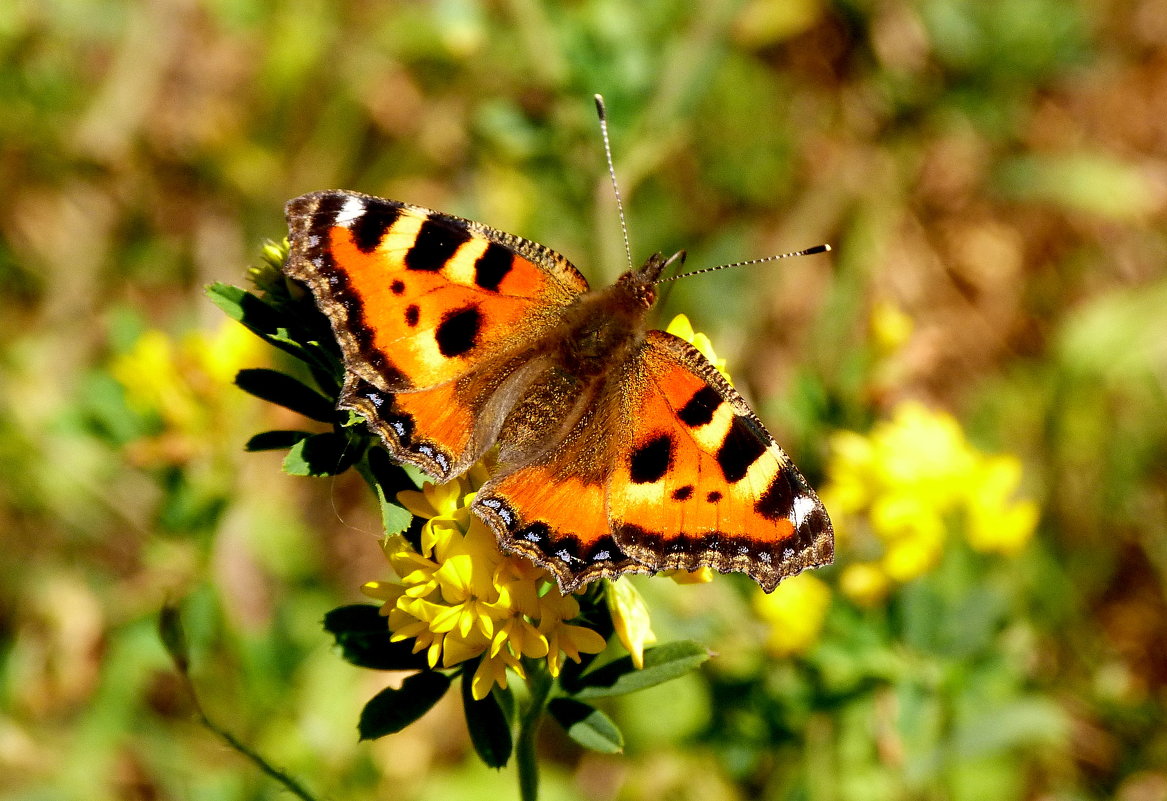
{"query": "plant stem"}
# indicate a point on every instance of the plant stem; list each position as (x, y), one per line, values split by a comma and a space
(171, 631)
(539, 682)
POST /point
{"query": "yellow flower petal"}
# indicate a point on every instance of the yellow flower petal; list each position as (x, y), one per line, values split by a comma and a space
(384, 591)
(702, 575)
(566, 639)
(417, 504)
(492, 670)
(630, 618)
(461, 597)
(456, 650)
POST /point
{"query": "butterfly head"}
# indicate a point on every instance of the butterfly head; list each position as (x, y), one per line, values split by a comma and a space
(641, 284)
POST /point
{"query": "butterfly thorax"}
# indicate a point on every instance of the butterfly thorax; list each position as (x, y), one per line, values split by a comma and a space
(607, 325)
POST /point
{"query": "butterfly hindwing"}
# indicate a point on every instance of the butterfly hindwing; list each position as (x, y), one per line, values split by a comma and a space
(668, 469)
(701, 481)
(548, 498)
(560, 524)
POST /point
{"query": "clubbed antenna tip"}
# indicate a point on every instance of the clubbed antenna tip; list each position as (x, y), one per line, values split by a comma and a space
(805, 252)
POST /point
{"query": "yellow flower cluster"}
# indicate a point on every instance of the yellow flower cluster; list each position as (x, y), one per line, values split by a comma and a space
(897, 492)
(458, 597)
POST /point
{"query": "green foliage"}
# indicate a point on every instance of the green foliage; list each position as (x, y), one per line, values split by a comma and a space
(587, 725)
(621, 676)
(276, 387)
(489, 722)
(362, 634)
(391, 710)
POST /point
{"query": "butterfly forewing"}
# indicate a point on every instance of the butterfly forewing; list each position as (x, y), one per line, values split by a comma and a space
(433, 314)
(418, 298)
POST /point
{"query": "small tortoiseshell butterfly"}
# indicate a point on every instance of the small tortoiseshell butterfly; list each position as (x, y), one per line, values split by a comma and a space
(620, 449)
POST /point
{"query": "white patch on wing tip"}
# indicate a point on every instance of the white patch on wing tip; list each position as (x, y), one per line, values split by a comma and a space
(803, 506)
(351, 211)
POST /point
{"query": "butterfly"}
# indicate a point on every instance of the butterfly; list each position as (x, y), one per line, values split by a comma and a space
(620, 449)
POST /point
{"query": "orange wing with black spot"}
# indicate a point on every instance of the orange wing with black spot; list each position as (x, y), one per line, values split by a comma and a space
(703, 482)
(433, 314)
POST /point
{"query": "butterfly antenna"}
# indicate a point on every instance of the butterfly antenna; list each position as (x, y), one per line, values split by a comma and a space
(603, 113)
(807, 252)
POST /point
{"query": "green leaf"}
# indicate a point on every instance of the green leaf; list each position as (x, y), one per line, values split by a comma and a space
(362, 633)
(280, 388)
(260, 318)
(275, 440)
(587, 725)
(228, 298)
(326, 377)
(1024, 723)
(394, 518)
(321, 455)
(660, 665)
(392, 710)
(487, 720)
(322, 355)
(388, 479)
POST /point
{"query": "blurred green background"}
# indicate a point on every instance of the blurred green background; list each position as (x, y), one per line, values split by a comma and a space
(994, 172)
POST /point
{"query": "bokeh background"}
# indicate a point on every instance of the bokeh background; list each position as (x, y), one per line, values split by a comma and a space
(992, 175)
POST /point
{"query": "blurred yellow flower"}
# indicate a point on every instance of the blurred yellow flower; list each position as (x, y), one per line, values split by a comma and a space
(906, 485)
(794, 614)
(865, 583)
(702, 575)
(154, 382)
(995, 523)
(890, 327)
(187, 384)
(458, 597)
